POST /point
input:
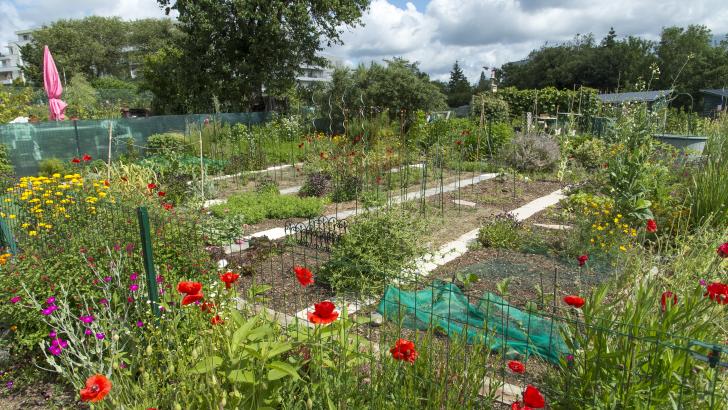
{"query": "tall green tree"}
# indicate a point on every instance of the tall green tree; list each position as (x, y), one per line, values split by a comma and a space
(483, 84)
(95, 46)
(241, 50)
(458, 88)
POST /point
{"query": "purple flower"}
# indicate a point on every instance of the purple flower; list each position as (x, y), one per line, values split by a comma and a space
(51, 300)
(87, 332)
(117, 247)
(134, 276)
(58, 342)
(55, 350)
(703, 282)
(100, 336)
(161, 291)
(139, 323)
(123, 365)
(160, 278)
(104, 301)
(162, 309)
(52, 334)
(49, 310)
(107, 279)
(569, 358)
(133, 287)
(15, 299)
(87, 319)
(9, 384)
(129, 248)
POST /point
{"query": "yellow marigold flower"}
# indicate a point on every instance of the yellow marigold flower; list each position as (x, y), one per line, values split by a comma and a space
(49, 202)
(12, 216)
(56, 175)
(2, 214)
(10, 189)
(619, 215)
(622, 248)
(101, 194)
(616, 220)
(33, 233)
(25, 225)
(600, 228)
(591, 240)
(8, 200)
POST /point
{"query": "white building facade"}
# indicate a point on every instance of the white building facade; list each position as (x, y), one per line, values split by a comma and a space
(11, 61)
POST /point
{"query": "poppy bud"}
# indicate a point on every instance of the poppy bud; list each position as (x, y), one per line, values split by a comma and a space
(309, 404)
(177, 406)
(149, 350)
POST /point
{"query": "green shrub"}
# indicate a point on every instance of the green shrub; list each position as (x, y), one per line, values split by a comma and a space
(266, 185)
(709, 191)
(168, 143)
(533, 153)
(346, 188)
(378, 247)
(317, 184)
(50, 166)
(255, 207)
(503, 231)
(491, 107)
(590, 152)
(492, 140)
(6, 167)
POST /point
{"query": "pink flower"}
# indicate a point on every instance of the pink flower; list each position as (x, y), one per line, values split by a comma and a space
(133, 287)
(15, 299)
(87, 319)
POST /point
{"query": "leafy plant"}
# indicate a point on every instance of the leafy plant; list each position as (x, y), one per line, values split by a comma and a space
(317, 184)
(377, 248)
(503, 231)
(50, 166)
(532, 153)
(254, 207)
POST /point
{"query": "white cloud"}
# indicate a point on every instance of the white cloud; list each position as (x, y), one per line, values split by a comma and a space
(492, 32)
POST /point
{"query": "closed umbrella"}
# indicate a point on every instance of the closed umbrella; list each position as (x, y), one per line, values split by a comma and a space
(53, 87)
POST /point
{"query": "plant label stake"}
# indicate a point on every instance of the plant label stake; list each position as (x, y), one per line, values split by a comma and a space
(146, 240)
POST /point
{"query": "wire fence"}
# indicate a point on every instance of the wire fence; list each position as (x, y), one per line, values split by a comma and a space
(466, 329)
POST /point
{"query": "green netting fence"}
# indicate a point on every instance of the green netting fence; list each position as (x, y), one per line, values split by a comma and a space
(30, 143)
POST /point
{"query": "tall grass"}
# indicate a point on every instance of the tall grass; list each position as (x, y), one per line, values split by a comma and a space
(709, 191)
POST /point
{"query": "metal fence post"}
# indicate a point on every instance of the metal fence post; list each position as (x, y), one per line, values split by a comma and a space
(146, 239)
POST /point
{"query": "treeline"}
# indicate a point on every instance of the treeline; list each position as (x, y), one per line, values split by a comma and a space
(686, 59)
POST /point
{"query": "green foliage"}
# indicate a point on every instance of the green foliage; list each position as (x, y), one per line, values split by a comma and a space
(6, 167)
(377, 248)
(223, 230)
(50, 166)
(266, 185)
(458, 88)
(709, 190)
(346, 188)
(503, 231)
(294, 33)
(255, 207)
(490, 108)
(589, 152)
(84, 103)
(549, 100)
(168, 143)
(14, 104)
(532, 153)
(94, 47)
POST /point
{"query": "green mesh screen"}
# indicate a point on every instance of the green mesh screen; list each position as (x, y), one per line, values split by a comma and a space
(28, 144)
(443, 307)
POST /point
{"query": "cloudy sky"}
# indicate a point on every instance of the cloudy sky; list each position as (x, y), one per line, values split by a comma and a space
(437, 32)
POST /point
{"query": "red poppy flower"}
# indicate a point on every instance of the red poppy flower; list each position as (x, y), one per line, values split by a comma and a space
(404, 350)
(97, 387)
(106, 182)
(458, 142)
(323, 313)
(582, 259)
(575, 301)
(651, 226)
(189, 287)
(229, 278)
(76, 161)
(304, 276)
(665, 297)
(718, 292)
(533, 398)
(167, 206)
(517, 367)
(151, 186)
(161, 194)
(723, 250)
(86, 158)
(517, 406)
(216, 320)
(189, 299)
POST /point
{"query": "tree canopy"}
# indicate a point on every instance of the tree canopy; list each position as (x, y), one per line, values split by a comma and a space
(686, 59)
(238, 51)
(458, 89)
(95, 46)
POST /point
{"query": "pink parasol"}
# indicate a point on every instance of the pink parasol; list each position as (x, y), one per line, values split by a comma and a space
(53, 87)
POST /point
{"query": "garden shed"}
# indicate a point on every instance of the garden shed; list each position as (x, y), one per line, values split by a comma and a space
(714, 100)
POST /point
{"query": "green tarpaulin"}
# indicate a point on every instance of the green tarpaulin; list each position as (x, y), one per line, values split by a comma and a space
(492, 320)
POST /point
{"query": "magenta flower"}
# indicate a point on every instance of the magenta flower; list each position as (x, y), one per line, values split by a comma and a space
(49, 310)
(130, 299)
(703, 282)
(55, 350)
(134, 276)
(107, 279)
(117, 247)
(87, 319)
(133, 287)
(123, 365)
(139, 323)
(129, 248)
(104, 301)
(87, 332)
(100, 336)
(160, 278)
(51, 300)
(9, 384)
(52, 334)
(15, 299)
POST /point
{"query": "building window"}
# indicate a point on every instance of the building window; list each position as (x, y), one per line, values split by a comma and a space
(25, 37)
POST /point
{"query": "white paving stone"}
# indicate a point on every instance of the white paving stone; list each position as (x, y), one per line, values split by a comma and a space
(554, 227)
(463, 202)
